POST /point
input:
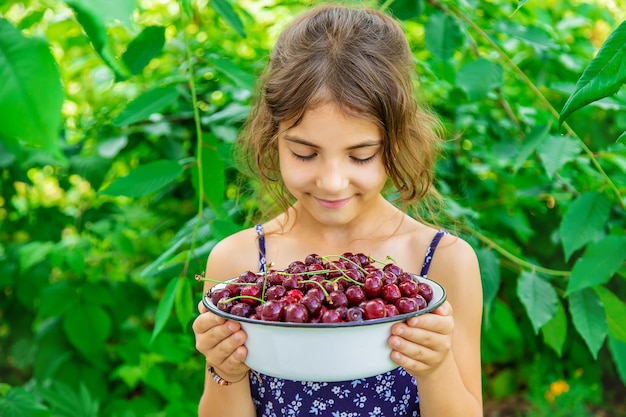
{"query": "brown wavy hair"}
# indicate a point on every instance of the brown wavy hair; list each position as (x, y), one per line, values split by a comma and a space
(358, 59)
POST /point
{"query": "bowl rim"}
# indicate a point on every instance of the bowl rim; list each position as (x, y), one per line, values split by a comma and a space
(432, 305)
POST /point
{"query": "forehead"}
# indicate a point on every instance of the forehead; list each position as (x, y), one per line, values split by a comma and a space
(329, 119)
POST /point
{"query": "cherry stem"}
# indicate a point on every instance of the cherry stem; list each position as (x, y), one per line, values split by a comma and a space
(251, 297)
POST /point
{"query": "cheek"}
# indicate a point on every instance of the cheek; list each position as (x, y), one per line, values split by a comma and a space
(374, 178)
(293, 176)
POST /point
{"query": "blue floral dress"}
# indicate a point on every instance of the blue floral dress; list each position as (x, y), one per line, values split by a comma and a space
(392, 393)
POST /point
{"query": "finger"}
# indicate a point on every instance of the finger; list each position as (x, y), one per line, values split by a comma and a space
(415, 358)
(444, 309)
(206, 321)
(408, 338)
(202, 308)
(230, 353)
(428, 322)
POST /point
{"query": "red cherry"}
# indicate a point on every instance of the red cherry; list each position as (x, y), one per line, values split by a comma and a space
(331, 316)
(391, 293)
(407, 305)
(372, 286)
(272, 310)
(408, 288)
(425, 290)
(375, 309)
(296, 313)
(250, 291)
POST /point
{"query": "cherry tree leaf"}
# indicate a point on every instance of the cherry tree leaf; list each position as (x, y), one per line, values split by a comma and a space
(87, 327)
(601, 260)
(31, 94)
(479, 77)
(583, 221)
(589, 319)
(538, 297)
(603, 77)
(145, 179)
(148, 103)
(442, 36)
(618, 352)
(615, 312)
(225, 10)
(148, 44)
(165, 307)
(555, 331)
(556, 151)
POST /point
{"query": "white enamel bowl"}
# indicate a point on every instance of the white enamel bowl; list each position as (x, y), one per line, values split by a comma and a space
(322, 352)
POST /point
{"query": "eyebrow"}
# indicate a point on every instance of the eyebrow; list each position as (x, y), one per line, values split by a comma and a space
(364, 144)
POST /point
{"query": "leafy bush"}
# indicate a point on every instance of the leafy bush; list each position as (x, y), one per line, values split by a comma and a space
(116, 122)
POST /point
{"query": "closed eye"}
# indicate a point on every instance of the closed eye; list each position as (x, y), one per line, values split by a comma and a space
(303, 157)
(364, 160)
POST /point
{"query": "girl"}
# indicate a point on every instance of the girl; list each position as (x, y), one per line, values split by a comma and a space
(334, 124)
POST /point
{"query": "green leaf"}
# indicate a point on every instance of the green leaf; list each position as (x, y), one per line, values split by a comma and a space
(31, 94)
(56, 299)
(538, 297)
(20, 403)
(502, 340)
(490, 274)
(584, 221)
(227, 13)
(145, 179)
(148, 103)
(479, 77)
(618, 352)
(33, 253)
(240, 77)
(93, 16)
(163, 258)
(87, 327)
(213, 171)
(148, 44)
(531, 35)
(533, 139)
(442, 36)
(589, 319)
(64, 401)
(622, 138)
(184, 305)
(615, 310)
(597, 265)
(555, 331)
(165, 308)
(520, 3)
(405, 9)
(603, 77)
(556, 151)
(185, 5)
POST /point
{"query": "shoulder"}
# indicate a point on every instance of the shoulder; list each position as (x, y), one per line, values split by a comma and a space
(455, 266)
(233, 255)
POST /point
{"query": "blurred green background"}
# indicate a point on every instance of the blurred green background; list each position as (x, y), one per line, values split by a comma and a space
(116, 180)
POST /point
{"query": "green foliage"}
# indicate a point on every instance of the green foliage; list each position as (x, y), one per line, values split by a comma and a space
(117, 179)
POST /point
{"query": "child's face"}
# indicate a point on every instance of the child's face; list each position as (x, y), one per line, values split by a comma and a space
(332, 164)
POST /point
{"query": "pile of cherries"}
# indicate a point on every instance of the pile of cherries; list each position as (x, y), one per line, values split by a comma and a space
(324, 289)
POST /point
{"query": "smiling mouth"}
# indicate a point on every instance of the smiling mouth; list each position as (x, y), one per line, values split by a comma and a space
(333, 204)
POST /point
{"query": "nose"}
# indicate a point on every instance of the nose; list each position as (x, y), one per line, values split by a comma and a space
(332, 177)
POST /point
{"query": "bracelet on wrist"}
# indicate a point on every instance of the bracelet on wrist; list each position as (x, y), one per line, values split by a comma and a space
(221, 381)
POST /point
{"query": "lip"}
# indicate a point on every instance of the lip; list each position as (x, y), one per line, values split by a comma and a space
(333, 204)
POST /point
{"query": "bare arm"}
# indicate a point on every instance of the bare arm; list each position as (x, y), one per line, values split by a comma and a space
(222, 342)
(442, 349)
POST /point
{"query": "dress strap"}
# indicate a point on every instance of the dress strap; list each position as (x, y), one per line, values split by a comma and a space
(431, 252)
(261, 238)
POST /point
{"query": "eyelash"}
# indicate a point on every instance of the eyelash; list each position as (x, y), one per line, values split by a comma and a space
(355, 160)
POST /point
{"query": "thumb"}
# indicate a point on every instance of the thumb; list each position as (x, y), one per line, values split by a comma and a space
(202, 308)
